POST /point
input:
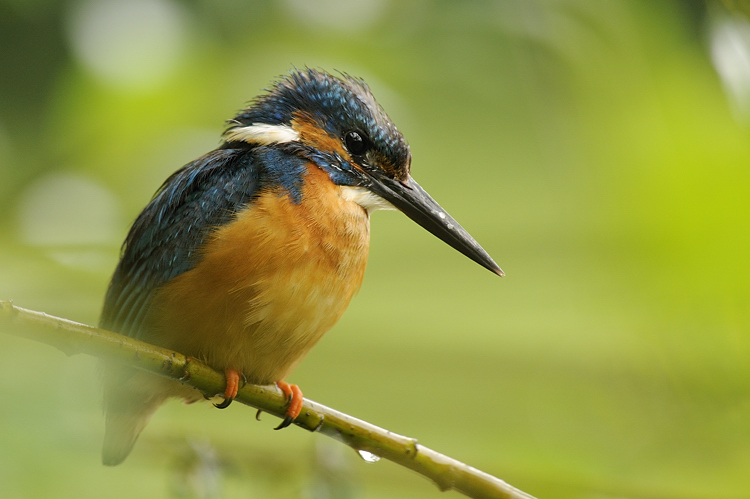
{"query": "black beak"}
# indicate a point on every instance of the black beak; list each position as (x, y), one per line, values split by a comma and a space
(416, 204)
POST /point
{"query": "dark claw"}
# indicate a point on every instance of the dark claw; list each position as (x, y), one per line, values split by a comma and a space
(287, 421)
(257, 414)
(224, 404)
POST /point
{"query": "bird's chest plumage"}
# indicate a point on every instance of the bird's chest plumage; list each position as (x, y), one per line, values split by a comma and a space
(270, 283)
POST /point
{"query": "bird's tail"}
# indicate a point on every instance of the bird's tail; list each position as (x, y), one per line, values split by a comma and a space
(130, 399)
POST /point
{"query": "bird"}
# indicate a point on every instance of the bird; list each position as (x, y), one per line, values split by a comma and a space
(246, 256)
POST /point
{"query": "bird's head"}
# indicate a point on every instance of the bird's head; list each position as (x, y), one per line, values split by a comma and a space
(337, 124)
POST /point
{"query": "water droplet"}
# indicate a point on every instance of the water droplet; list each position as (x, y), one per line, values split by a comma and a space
(369, 457)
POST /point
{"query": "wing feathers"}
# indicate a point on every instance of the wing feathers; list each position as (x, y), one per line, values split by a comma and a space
(165, 238)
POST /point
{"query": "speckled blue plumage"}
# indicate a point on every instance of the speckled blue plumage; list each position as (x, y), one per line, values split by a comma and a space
(337, 104)
(166, 237)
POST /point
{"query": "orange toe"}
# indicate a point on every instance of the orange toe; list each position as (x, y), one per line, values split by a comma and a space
(294, 395)
(233, 386)
(233, 383)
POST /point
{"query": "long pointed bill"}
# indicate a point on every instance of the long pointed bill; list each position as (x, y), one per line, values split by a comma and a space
(415, 203)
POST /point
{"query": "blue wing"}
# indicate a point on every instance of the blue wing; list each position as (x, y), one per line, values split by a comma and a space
(165, 238)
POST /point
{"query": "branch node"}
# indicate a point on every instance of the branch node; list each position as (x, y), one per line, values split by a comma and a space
(186, 373)
(412, 449)
(320, 423)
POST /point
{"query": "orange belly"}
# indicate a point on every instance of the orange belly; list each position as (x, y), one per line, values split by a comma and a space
(269, 284)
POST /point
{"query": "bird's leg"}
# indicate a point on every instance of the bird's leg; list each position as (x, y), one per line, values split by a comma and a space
(233, 385)
(294, 395)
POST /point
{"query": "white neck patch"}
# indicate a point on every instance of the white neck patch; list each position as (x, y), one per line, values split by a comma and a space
(262, 134)
(365, 198)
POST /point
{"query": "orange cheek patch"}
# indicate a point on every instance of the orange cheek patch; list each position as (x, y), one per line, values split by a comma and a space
(312, 134)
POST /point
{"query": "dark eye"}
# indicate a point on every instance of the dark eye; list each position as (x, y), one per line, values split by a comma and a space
(355, 143)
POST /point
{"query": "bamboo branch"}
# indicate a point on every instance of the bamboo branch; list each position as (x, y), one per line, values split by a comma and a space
(73, 338)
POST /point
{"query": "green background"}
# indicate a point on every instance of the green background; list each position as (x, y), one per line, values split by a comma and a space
(591, 147)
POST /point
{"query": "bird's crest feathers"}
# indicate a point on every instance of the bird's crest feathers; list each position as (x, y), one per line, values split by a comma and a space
(336, 106)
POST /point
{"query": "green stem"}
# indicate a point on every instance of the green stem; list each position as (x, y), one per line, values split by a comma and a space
(74, 338)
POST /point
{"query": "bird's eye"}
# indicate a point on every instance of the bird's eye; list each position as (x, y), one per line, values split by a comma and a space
(355, 143)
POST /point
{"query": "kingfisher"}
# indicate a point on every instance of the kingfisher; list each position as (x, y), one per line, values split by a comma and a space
(246, 256)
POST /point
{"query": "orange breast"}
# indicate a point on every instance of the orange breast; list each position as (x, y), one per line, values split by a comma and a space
(270, 283)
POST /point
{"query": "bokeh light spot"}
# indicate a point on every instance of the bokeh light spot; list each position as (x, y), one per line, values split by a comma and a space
(132, 44)
(348, 15)
(68, 210)
(730, 53)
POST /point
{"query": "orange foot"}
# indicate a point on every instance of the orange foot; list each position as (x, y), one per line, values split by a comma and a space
(294, 395)
(233, 385)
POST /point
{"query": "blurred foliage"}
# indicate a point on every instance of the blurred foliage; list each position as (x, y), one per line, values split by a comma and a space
(739, 6)
(598, 150)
